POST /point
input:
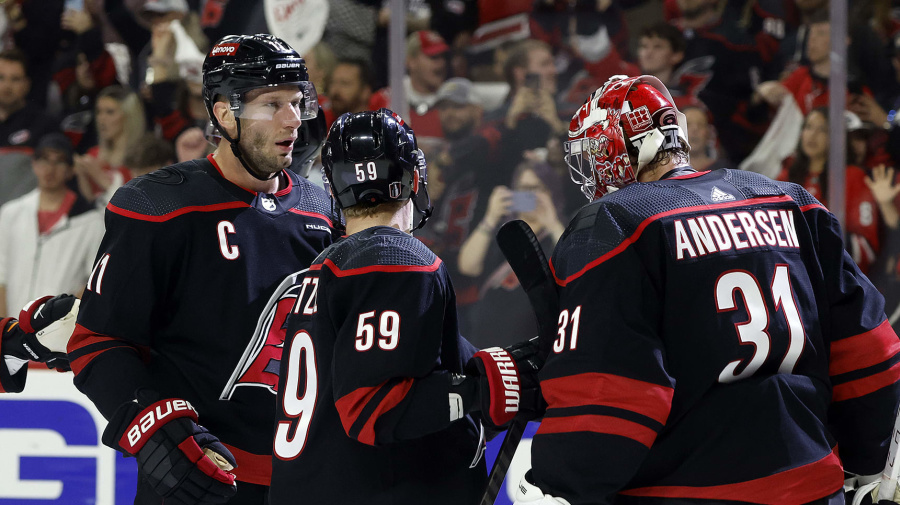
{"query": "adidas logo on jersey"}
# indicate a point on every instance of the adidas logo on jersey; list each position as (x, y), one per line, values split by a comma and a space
(718, 195)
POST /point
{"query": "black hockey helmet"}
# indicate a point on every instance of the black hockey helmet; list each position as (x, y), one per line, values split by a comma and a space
(372, 157)
(237, 64)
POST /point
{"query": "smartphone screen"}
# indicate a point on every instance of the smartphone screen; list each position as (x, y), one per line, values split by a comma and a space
(533, 80)
(523, 201)
(74, 5)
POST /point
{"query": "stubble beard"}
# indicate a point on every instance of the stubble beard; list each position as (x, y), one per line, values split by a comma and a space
(254, 149)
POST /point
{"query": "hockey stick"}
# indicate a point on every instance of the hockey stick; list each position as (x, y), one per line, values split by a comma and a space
(891, 471)
(524, 254)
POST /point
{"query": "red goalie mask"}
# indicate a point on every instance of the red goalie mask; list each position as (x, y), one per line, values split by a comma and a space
(636, 113)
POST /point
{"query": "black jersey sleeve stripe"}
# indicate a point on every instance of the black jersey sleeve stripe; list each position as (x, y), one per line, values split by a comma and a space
(604, 425)
(863, 350)
(176, 213)
(351, 406)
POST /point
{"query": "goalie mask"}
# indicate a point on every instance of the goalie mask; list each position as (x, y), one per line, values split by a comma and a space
(626, 115)
(371, 158)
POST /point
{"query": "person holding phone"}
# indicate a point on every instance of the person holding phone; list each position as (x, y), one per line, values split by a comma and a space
(536, 196)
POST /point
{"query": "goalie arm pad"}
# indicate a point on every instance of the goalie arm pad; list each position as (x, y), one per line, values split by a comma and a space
(169, 446)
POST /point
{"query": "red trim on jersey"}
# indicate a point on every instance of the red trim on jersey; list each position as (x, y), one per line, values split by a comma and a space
(17, 149)
(381, 268)
(863, 350)
(252, 468)
(311, 214)
(866, 385)
(351, 405)
(391, 400)
(688, 176)
(179, 212)
(798, 485)
(812, 206)
(83, 337)
(607, 425)
(640, 229)
(645, 398)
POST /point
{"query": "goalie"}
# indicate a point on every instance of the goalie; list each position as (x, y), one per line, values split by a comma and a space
(716, 343)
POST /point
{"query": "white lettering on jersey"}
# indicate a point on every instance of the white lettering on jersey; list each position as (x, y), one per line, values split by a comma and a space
(229, 252)
(741, 230)
(510, 378)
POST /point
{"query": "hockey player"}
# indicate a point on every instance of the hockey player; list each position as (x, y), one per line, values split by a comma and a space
(190, 257)
(716, 344)
(376, 382)
(39, 334)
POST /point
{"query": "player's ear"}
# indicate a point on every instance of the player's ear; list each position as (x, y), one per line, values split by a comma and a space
(225, 117)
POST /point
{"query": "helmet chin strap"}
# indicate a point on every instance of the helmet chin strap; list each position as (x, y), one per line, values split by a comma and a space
(237, 150)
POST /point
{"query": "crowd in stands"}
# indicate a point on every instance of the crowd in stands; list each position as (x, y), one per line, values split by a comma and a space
(91, 97)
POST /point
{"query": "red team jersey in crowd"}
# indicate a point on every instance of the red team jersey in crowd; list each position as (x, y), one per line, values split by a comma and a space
(715, 342)
(862, 219)
(363, 413)
(187, 265)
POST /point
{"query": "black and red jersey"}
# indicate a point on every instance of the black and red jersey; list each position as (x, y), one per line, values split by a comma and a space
(715, 342)
(184, 271)
(363, 412)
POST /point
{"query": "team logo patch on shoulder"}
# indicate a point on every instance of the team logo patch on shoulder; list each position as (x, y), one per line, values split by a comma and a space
(268, 203)
(718, 195)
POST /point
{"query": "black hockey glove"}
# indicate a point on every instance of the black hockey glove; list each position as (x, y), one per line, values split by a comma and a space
(42, 331)
(170, 448)
(496, 381)
(529, 360)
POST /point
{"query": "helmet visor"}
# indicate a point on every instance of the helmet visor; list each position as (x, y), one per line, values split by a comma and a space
(265, 102)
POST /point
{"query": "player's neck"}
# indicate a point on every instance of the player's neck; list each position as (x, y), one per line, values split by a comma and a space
(236, 173)
(401, 219)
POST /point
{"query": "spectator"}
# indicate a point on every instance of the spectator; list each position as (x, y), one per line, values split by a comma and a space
(426, 67)
(809, 168)
(149, 153)
(722, 62)
(82, 68)
(808, 84)
(120, 123)
(350, 87)
(702, 137)
(531, 75)
(503, 313)
(467, 165)
(320, 61)
(21, 125)
(660, 51)
(54, 233)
